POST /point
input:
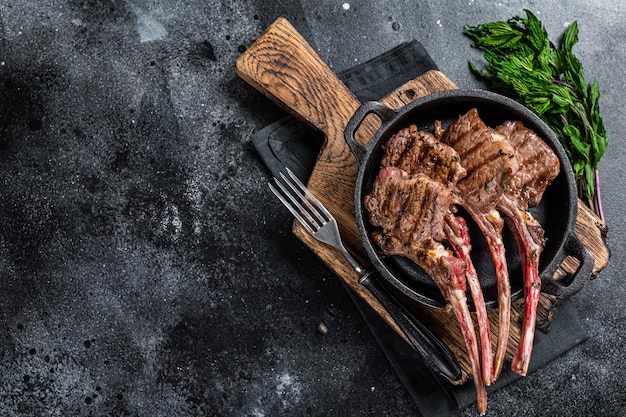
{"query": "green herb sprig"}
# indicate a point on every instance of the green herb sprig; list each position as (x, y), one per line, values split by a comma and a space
(525, 65)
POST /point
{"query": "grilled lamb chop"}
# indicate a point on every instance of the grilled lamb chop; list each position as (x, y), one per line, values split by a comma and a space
(418, 152)
(409, 212)
(538, 167)
(490, 163)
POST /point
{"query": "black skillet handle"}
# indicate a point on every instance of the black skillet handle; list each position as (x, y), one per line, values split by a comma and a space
(371, 107)
(433, 351)
(573, 247)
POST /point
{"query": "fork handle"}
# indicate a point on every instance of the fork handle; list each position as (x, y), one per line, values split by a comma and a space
(353, 262)
(432, 350)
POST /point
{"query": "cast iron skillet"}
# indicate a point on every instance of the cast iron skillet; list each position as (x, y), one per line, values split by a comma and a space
(557, 211)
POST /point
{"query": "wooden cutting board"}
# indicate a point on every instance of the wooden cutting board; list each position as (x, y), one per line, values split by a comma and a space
(283, 66)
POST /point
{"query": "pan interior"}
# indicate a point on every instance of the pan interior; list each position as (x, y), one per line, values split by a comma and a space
(553, 212)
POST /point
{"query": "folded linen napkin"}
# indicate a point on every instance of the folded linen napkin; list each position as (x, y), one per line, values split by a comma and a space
(290, 143)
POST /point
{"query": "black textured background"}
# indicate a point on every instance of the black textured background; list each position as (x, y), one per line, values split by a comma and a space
(145, 270)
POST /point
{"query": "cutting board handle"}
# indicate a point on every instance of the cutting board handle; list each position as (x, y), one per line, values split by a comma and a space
(283, 66)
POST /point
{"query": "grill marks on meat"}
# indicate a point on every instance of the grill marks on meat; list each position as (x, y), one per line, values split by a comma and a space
(413, 223)
(409, 212)
(539, 165)
(418, 152)
(490, 163)
(408, 208)
(487, 171)
(538, 168)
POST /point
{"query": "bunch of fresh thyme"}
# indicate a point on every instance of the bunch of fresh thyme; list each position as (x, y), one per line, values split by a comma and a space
(523, 64)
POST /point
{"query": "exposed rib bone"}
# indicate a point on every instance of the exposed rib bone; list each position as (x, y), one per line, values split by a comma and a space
(538, 167)
(490, 164)
(457, 234)
(419, 152)
(410, 210)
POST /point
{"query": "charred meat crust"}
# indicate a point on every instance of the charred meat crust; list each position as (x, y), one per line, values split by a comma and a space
(486, 170)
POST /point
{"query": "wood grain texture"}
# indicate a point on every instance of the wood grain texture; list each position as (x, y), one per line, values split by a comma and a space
(284, 67)
(591, 231)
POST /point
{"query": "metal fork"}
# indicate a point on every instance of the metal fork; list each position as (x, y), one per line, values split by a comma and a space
(312, 214)
(318, 221)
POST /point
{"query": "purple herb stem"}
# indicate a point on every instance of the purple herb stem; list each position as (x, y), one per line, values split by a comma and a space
(571, 87)
(577, 92)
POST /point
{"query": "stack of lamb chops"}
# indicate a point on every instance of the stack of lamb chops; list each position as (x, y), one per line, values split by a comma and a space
(486, 171)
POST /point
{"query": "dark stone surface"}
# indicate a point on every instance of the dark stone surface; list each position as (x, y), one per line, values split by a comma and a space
(145, 270)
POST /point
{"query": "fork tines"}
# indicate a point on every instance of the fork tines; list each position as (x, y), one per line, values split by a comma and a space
(305, 207)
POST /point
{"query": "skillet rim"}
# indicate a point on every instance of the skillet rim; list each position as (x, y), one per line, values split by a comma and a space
(394, 120)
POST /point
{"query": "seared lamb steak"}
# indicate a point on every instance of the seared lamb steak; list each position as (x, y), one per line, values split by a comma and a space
(491, 164)
(416, 151)
(409, 214)
(486, 171)
(408, 208)
(409, 211)
(538, 167)
(419, 152)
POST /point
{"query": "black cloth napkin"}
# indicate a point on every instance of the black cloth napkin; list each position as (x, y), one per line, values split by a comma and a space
(290, 143)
